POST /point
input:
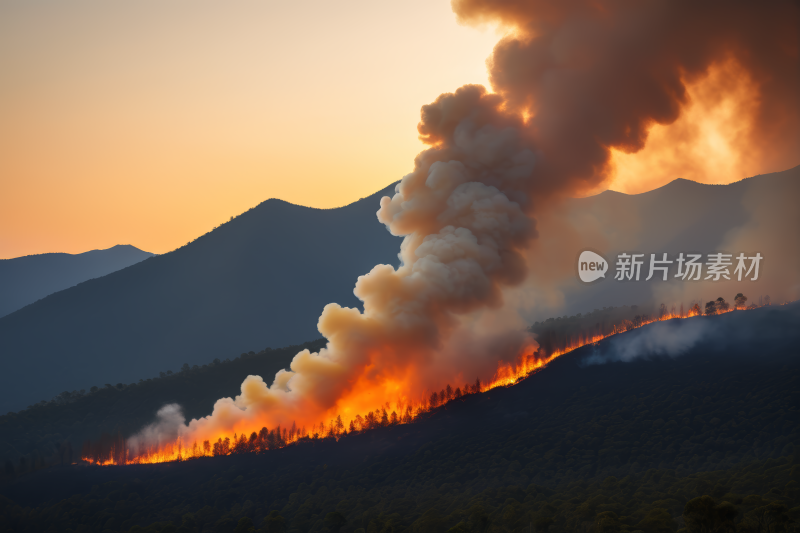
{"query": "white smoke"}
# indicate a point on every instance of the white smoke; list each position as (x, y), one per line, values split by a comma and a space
(661, 339)
(166, 429)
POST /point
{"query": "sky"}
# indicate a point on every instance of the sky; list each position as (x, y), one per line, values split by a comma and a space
(150, 122)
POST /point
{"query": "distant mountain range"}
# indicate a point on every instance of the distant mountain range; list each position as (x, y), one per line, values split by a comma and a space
(262, 279)
(754, 215)
(24, 280)
(259, 280)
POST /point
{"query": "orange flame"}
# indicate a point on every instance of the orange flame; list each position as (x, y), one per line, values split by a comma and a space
(404, 411)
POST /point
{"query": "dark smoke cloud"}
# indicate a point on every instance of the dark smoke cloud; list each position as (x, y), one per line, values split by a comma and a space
(596, 75)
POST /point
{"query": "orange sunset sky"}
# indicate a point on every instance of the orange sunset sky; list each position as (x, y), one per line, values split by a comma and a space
(150, 122)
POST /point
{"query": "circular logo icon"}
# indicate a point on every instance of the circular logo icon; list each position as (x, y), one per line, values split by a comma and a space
(591, 266)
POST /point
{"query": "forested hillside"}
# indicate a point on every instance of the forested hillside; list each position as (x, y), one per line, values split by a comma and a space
(49, 431)
(46, 433)
(575, 447)
(261, 279)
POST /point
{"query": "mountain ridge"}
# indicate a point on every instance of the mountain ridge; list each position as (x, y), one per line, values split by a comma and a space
(263, 278)
(260, 279)
(27, 279)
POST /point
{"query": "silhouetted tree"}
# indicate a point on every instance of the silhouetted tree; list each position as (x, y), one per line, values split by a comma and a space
(370, 421)
(262, 443)
(740, 301)
(711, 308)
(434, 401)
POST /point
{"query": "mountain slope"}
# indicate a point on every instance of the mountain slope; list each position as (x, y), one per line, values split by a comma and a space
(24, 280)
(259, 280)
(263, 279)
(757, 214)
(603, 434)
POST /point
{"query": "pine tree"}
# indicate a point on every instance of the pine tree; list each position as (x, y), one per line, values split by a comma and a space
(434, 401)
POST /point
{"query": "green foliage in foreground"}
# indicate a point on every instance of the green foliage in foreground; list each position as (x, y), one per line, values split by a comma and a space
(760, 498)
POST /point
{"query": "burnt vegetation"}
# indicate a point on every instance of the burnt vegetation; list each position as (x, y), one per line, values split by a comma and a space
(703, 442)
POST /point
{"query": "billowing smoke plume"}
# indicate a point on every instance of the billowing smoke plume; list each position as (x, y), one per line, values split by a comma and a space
(598, 75)
(573, 80)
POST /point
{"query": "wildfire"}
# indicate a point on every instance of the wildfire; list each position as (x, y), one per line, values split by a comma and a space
(115, 451)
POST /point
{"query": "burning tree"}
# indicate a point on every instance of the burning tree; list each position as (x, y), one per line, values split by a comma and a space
(116, 450)
(740, 301)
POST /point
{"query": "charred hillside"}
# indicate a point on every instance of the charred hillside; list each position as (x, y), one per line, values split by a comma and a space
(569, 442)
